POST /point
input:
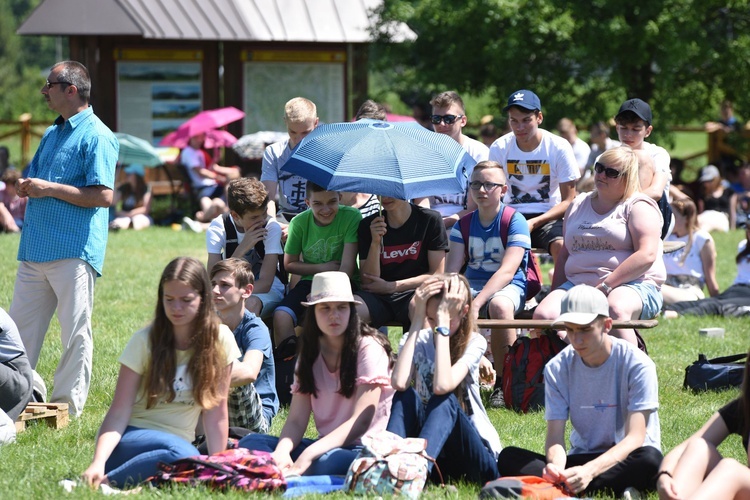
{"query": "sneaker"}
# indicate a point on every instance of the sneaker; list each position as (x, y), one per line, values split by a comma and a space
(497, 400)
(191, 224)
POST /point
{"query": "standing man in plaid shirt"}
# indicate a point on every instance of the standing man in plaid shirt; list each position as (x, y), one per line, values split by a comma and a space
(69, 186)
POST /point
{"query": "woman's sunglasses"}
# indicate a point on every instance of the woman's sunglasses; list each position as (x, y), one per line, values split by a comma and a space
(611, 173)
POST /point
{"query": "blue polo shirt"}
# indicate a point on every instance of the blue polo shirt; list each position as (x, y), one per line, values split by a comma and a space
(80, 151)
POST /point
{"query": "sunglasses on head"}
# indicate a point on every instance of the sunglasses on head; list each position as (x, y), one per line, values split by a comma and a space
(609, 172)
(448, 119)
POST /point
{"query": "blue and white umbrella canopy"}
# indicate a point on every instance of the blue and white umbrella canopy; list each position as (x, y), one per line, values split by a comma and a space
(401, 160)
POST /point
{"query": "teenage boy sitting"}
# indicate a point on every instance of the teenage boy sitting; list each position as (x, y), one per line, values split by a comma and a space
(496, 272)
(253, 401)
(541, 170)
(323, 238)
(247, 232)
(633, 123)
(608, 390)
(398, 251)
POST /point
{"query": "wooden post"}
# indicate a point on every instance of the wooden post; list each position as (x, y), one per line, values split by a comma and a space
(25, 120)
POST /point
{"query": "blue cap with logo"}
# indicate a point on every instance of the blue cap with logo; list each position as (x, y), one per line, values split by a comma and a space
(524, 99)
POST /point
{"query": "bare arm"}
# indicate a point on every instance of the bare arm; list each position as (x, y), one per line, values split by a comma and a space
(555, 452)
(646, 241)
(578, 478)
(293, 264)
(271, 188)
(657, 187)
(86, 196)
(708, 258)
(348, 259)
(367, 397)
(511, 261)
(114, 423)
(684, 476)
(246, 371)
(264, 282)
(456, 257)
(216, 420)
(293, 430)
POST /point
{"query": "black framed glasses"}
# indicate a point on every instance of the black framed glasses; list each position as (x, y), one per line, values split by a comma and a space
(611, 173)
(50, 84)
(488, 186)
(448, 119)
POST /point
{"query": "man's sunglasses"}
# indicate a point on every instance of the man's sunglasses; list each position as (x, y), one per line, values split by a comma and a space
(50, 84)
(448, 119)
(611, 173)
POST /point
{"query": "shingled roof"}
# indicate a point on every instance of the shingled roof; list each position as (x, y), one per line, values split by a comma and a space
(332, 21)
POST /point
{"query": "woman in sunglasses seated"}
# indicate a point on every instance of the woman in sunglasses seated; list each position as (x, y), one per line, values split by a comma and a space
(611, 241)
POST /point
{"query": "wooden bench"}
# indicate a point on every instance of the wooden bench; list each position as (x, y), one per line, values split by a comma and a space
(497, 324)
(54, 415)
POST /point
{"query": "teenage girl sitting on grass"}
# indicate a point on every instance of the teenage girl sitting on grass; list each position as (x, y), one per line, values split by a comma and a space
(171, 373)
(440, 354)
(343, 377)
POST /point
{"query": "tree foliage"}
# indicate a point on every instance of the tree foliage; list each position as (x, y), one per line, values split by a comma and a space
(24, 61)
(583, 57)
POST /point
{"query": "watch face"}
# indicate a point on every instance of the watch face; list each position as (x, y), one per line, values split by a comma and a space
(442, 330)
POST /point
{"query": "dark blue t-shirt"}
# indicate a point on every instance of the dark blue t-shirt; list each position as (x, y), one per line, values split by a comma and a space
(252, 334)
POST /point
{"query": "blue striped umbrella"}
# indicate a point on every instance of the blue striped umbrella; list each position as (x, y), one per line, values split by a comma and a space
(401, 160)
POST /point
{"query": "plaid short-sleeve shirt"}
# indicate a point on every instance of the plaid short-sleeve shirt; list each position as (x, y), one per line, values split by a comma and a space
(80, 151)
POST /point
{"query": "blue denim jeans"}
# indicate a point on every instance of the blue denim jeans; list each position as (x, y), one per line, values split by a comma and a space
(459, 450)
(135, 457)
(334, 462)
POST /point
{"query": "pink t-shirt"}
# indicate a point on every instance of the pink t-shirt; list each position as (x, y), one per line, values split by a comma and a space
(15, 205)
(330, 409)
(598, 243)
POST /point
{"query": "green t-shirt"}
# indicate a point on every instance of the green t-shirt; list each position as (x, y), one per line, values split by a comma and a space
(321, 244)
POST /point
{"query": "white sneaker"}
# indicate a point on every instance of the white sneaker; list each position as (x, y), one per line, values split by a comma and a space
(191, 224)
(631, 493)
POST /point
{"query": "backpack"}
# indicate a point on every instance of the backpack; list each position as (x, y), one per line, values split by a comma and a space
(389, 465)
(523, 373)
(529, 487)
(285, 361)
(238, 469)
(254, 256)
(533, 270)
(715, 374)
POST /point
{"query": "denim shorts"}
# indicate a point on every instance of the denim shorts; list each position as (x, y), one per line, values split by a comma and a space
(511, 291)
(651, 298)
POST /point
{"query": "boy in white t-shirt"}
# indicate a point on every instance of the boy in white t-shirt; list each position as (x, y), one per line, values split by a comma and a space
(541, 169)
(247, 232)
(633, 126)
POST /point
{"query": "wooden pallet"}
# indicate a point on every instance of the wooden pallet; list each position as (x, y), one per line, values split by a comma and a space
(54, 415)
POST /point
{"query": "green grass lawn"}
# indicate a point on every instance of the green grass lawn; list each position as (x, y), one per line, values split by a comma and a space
(125, 296)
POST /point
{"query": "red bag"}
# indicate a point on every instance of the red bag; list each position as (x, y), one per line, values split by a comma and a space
(238, 469)
(523, 372)
(533, 270)
(531, 487)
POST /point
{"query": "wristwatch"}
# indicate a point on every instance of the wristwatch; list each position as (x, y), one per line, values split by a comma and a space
(443, 330)
(605, 288)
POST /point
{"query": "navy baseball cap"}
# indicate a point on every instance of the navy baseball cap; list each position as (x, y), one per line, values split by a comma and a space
(524, 99)
(641, 109)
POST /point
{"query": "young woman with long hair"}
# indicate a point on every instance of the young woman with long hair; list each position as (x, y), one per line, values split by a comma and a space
(693, 266)
(437, 379)
(171, 373)
(734, 301)
(696, 469)
(342, 378)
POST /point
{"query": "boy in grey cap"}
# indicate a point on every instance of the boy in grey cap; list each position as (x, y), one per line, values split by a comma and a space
(608, 390)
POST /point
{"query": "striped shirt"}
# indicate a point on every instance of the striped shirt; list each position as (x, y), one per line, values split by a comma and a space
(80, 151)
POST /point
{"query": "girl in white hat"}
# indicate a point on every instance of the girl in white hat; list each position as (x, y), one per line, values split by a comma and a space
(343, 377)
